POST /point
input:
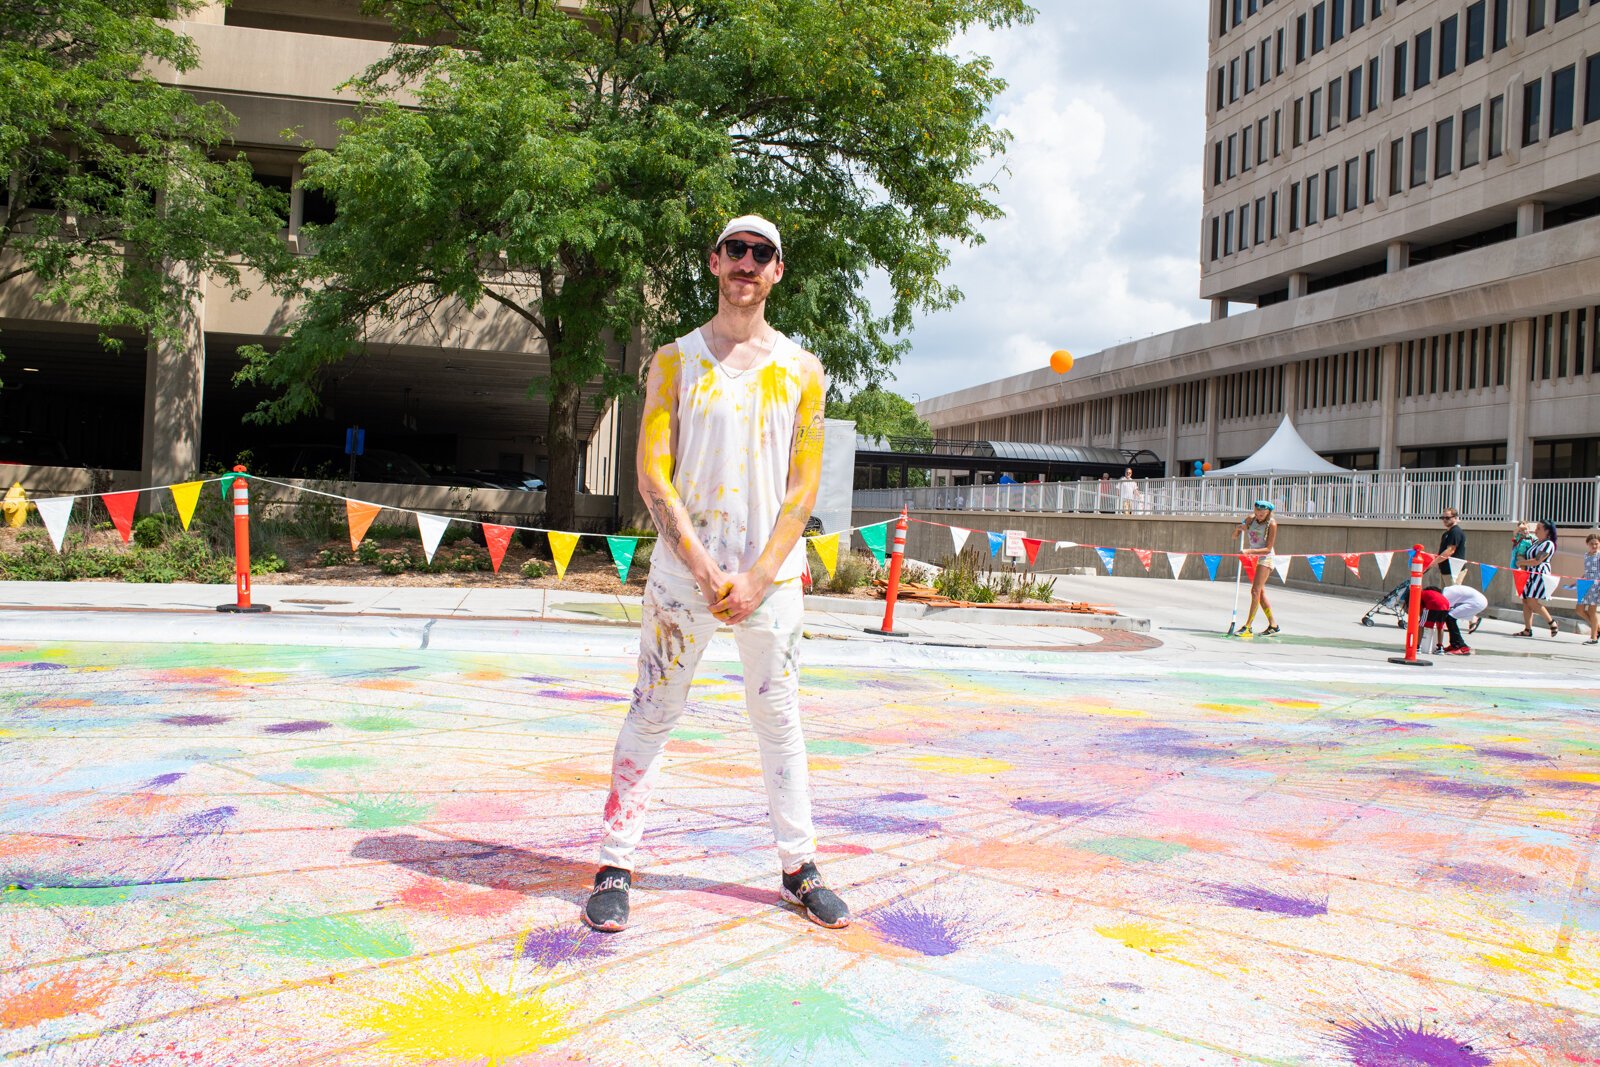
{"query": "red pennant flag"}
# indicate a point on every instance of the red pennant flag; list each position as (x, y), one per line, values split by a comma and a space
(1249, 565)
(121, 506)
(1353, 561)
(1519, 578)
(1427, 559)
(1144, 556)
(1031, 547)
(497, 538)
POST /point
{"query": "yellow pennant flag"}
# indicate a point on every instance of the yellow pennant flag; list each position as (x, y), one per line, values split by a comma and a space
(827, 547)
(561, 546)
(360, 517)
(185, 496)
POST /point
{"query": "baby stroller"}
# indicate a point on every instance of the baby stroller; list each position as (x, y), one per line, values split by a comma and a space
(1391, 603)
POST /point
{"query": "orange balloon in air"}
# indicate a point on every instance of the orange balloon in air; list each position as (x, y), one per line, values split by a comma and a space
(1061, 361)
(1205, 466)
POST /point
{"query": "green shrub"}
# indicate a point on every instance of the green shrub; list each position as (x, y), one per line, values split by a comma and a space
(334, 557)
(368, 554)
(149, 531)
(533, 569)
(855, 570)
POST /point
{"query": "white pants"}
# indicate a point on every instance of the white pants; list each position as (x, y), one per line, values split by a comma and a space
(677, 626)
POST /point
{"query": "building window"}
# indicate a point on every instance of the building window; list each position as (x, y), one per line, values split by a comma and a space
(1299, 108)
(1233, 79)
(1476, 15)
(1227, 234)
(1444, 147)
(1400, 70)
(1277, 140)
(1246, 161)
(1419, 158)
(1311, 200)
(1277, 52)
(1336, 31)
(1501, 12)
(1273, 227)
(1335, 103)
(1244, 226)
(1319, 28)
(1250, 71)
(1261, 219)
(1497, 126)
(1222, 88)
(1353, 105)
(1591, 90)
(1563, 85)
(1449, 30)
(1352, 186)
(1216, 163)
(1471, 132)
(1330, 192)
(1358, 15)
(1567, 8)
(1265, 67)
(1233, 150)
(1261, 141)
(1374, 83)
(1300, 39)
(1216, 238)
(1422, 58)
(1532, 103)
(1369, 182)
(1294, 207)
(1315, 118)
(1397, 157)
(1535, 16)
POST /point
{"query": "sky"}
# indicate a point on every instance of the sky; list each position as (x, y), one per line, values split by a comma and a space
(1101, 189)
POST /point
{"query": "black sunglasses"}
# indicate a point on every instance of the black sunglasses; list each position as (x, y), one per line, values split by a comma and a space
(762, 253)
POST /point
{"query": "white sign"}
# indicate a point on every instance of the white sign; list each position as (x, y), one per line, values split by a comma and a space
(1014, 549)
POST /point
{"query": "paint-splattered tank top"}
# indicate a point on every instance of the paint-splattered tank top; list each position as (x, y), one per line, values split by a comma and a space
(1255, 533)
(731, 456)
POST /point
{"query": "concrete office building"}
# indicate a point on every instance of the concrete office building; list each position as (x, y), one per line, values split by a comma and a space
(454, 397)
(1400, 243)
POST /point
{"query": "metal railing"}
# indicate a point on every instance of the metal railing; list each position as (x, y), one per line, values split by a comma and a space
(1484, 494)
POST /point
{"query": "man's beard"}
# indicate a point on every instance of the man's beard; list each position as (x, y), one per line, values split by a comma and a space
(744, 296)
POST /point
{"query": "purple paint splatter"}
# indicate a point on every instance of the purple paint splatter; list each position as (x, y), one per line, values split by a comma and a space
(860, 823)
(1486, 876)
(574, 694)
(1390, 1043)
(161, 780)
(210, 821)
(42, 667)
(195, 720)
(919, 929)
(301, 726)
(1062, 809)
(1257, 899)
(564, 944)
(1513, 754)
(1163, 741)
(1470, 790)
(903, 798)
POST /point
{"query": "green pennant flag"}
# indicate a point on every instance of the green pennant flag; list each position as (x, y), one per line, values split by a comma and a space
(622, 550)
(877, 539)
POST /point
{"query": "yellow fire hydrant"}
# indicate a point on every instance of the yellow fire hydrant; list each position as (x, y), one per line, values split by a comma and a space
(15, 505)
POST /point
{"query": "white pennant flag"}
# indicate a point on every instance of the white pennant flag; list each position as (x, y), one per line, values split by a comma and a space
(1456, 567)
(1280, 567)
(432, 528)
(959, 536)
(1066, 544)
(55, 511)
(1552, 582)
(1175, 560)
(1384, 559)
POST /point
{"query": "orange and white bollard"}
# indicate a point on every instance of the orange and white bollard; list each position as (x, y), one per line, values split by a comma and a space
(1413, 615)
(241, 547)
(897, 559)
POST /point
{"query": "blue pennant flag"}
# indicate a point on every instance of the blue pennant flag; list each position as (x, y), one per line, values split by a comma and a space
(1212, 562)
(1581, 590)
(1316, 563)
(1108, 556)
(1487, 573)
(997, 541)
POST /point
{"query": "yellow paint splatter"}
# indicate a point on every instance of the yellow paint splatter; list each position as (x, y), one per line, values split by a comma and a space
(1141, 937)
(471, 1021)
(1587, 777)
(1558, 815)
(1110, 712)
(961, 764)
(1306, 704)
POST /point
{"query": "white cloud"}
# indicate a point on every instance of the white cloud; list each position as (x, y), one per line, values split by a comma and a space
(1101, 192)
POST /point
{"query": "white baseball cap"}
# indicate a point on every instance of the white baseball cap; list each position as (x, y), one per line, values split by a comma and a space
(752, 224)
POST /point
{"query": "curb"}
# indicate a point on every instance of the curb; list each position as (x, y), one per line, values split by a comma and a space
(978, 616)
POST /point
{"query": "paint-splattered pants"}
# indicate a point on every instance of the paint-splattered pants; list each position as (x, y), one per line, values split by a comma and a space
(677, 626)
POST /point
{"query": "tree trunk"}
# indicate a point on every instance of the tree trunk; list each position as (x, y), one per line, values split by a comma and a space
(562, 436)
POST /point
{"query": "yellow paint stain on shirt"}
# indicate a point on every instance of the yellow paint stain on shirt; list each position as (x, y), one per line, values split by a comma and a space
(961, 764)
(466, 1020)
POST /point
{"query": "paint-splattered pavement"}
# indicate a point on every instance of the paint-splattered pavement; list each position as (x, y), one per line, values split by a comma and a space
(295, 856)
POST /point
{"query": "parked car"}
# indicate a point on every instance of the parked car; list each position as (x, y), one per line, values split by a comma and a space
(505, 478)
(28, 449)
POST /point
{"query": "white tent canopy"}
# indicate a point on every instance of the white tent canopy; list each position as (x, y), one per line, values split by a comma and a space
(1284, 453)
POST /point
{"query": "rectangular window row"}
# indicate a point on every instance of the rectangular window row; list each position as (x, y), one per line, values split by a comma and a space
(1462, 361)
(1339, 380)
(1565, 345)
(1192, 403)
(1144, 410)
(1453, 46)
(1250, 394)
(1063, 424)
(1563, 97)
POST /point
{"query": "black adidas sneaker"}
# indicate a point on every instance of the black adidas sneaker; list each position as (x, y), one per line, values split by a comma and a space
(607, 909)
(822, 905)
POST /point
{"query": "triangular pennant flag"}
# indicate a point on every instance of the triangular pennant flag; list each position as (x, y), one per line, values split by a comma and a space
(121, 506)
(827, 546)
(1031, 547)
(1316, 564)
(1249, 565)
(432, 529)
(561, 546)
(1143, 556)
(877, 539)
(1456, 567)
(55, 511)
(1384, 561)
(1427, 558)
(1066, 544)
(1352, 560)
(1552, 582)
(622, 550)
(1581, 590)
(1519, 580)
(1108, 556)
(1486, 573)
(226, 485)
(360, 517)
(996, 542)
(958, 536)
(1280, 567)
(497, 539)
(185, 496)
(1176, 560)
(1212, 562)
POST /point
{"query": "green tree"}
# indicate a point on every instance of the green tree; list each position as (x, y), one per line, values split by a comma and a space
(110, 176)
(879, 413)
(574, 170)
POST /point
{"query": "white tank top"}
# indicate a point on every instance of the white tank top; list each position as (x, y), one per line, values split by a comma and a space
(730, 465)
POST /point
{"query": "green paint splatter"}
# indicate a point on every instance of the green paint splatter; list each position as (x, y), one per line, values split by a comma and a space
(780, 1019)
(837, 748)
(330, 937)
(697, 735)
(68, 896)
(1133, 849)
(612, 611)
(333, 763)
(384, 813)
(377, 724)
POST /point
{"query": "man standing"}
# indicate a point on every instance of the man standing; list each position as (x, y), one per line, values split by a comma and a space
(1452, 546)
(730, 453)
